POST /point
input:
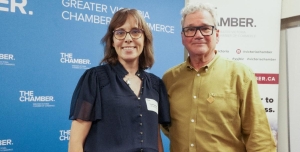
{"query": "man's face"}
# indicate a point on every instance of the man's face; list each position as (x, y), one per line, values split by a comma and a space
(200, 45)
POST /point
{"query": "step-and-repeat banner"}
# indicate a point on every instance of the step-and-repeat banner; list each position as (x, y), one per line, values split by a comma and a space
(45, 46)
(250, 33)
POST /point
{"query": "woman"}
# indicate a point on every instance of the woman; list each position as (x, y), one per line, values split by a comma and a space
(117, 106)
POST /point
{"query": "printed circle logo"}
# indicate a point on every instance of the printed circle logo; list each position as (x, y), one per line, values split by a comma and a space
(238, 51)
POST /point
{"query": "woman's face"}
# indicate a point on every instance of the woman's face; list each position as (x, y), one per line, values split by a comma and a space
(128, 49)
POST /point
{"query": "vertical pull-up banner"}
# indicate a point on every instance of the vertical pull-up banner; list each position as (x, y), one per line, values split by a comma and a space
(247, 37)
(46, 45)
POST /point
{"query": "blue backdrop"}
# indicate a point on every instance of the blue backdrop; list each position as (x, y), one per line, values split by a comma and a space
(45, 46)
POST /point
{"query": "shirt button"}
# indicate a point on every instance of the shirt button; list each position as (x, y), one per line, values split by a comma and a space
(192, 145)
(198, 74)
(142, 141)
(192, 120)
(139, 98)
(195, 97)
(141, 115)
(141, 133)
(141, 124)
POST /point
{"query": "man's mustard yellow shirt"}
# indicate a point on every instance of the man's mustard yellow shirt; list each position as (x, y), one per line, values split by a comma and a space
(216, 109)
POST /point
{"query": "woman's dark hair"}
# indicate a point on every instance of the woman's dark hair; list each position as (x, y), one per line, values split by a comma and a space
(146, 59)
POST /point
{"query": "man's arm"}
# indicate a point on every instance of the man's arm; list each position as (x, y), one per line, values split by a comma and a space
(256, 130)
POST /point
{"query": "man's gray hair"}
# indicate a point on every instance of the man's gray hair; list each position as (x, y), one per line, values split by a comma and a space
(199, 6)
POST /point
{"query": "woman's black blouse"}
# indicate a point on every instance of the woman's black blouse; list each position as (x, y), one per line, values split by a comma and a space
(121, 121)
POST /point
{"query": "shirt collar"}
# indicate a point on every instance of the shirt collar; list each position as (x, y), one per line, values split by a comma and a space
(204, 68)
(121, 71)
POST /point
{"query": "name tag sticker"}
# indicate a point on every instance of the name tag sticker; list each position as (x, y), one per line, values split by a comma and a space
(152, 105)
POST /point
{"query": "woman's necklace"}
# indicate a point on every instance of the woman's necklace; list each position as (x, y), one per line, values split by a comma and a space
(128, 81)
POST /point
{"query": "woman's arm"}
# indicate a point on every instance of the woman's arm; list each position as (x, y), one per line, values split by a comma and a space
(160, 145)
(79, 131)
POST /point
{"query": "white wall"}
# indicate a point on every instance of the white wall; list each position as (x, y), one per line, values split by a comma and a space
(282, 99)
(293, 85)
(290, 8)
(283, 129)
(290, 17)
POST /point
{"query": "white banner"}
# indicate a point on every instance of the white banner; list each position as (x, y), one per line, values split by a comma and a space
(250, 33)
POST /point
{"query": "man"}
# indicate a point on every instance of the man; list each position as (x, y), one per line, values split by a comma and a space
(215, 103)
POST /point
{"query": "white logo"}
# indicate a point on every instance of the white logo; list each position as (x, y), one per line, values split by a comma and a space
(5, 143)
(64, 135)
(6, 58)
(12, 6)
(77, 63)
(68, 58)
(28, 96)
(37, 101)
(89, 6)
